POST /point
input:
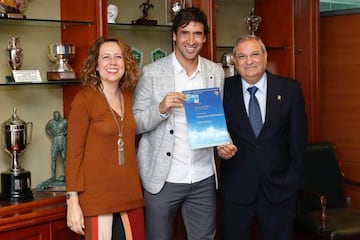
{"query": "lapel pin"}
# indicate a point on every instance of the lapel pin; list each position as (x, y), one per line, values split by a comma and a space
(278, 97)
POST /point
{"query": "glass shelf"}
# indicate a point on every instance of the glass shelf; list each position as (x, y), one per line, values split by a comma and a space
(132, 27)
(225, 47)
(42, 22)
(55, 82)
(267, 47)
(283, 48)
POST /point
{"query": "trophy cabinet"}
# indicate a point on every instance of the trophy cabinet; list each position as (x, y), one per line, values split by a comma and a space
(96, 11)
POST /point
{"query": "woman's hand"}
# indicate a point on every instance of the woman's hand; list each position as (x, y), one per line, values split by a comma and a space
(75, 217)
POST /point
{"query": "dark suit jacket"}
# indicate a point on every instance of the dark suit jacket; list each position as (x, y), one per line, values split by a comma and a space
(273, 161)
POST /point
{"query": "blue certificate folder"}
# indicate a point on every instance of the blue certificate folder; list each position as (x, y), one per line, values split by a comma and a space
(205, 118)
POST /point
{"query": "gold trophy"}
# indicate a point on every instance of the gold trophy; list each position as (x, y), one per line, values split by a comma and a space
(61, 54)
(16, 182)
(13, 8)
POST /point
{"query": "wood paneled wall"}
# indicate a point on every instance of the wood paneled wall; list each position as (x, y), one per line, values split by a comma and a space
(277, 34)
(289, 30)
(340, 92)
(80, 36)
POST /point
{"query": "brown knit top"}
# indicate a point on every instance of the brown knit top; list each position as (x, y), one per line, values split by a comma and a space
(92, 167)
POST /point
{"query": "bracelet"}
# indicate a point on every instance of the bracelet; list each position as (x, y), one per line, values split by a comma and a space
(71, 194)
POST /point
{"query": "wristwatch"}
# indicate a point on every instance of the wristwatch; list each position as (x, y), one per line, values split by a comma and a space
(71, 194)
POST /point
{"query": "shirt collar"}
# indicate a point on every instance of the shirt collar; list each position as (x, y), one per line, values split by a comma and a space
(179, 69)
(261, 84)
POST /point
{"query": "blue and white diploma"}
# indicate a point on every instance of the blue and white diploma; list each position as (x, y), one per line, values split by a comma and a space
(205, 118)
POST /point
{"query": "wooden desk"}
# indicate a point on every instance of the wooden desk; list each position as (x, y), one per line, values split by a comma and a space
(43, 218)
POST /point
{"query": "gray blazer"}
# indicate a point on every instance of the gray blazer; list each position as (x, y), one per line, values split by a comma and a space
(157, 140)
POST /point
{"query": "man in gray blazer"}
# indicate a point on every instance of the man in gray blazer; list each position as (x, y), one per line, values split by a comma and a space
(173, 175)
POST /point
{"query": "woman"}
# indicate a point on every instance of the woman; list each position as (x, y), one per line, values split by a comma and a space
(104, 197)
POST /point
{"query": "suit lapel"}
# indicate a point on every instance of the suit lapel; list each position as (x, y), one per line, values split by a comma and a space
(167, 74)
(209, 75)
(274, 100)
(240, 116)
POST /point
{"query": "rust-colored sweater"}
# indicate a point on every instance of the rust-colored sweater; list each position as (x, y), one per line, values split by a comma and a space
(92, 167)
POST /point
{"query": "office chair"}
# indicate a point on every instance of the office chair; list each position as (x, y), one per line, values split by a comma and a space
(322, 212)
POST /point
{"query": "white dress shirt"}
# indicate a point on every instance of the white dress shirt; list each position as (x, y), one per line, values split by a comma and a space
(260, 95)
(187, 166)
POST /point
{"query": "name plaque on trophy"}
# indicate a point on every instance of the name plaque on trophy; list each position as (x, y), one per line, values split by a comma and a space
(60, 75)
(12, 15)
(26, 75)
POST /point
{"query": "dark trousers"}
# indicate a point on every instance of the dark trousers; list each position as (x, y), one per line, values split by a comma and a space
(197, 202)
(275, 221)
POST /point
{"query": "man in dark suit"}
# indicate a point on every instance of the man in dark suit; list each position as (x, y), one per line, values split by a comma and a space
(261, 181)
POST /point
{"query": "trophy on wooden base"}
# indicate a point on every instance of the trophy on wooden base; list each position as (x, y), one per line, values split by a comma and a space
(61, 54)
(13, 8)
(144, 20)
(16, 182)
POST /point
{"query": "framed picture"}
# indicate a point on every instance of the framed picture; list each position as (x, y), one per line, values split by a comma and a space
(172, 7)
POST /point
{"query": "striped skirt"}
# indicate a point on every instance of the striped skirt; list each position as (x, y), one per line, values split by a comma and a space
(118, 226)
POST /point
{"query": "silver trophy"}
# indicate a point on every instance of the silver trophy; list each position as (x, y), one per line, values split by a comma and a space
(177, 6)
(228, 62)
(14, 53)
(16, 182)
(61, 54)
(252, 21)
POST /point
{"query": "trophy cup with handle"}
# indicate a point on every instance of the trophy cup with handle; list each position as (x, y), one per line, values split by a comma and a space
(61, 54)
(15, 55)
(16, 182)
